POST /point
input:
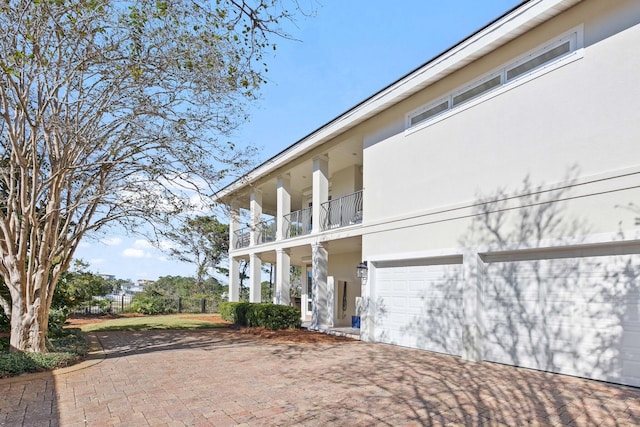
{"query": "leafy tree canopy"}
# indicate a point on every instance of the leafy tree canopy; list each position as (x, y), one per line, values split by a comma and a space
(114, 112)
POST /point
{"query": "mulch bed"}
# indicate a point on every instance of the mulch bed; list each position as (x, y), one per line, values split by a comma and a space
(286, 335)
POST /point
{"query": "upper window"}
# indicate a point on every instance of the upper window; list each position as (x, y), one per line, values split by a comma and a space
(528, 64)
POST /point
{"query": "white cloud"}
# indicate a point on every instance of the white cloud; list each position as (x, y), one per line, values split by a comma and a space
(111, 241)
(96, 261)
(142, 244)
(84, 245)
(134, 253)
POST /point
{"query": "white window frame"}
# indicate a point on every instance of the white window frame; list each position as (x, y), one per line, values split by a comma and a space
(428, 107)
(575, 36)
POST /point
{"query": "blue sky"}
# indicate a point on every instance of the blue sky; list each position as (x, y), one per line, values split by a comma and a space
(348, 51)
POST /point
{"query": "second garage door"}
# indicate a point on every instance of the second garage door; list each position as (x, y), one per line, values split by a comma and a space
(418, 304)
(572, 315)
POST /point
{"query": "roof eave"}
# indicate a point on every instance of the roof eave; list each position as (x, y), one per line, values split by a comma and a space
(507, 27)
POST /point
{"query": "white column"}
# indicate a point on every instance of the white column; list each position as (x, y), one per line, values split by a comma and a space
(234, 265)
(255, 284)
(234, 279)
(283, 278)
(284, 204)
(255, 204)
(234, 224)
(319, 265)
(474, 273)
(320, 189)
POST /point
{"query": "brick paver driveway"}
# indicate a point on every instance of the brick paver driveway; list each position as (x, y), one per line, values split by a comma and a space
(228, 378)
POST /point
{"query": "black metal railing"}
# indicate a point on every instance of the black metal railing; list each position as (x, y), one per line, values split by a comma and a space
(343, 211)
(242, 237)
(297, 223)
(266, 231)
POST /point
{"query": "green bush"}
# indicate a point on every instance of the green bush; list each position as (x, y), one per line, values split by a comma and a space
(153, 305)
(57, 318)
(270, 316)
(5, 326)
(64, 350)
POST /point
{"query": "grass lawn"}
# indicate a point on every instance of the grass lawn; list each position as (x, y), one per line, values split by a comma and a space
(146, 323)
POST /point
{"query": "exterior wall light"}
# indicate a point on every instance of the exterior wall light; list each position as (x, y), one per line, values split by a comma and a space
(361, 271)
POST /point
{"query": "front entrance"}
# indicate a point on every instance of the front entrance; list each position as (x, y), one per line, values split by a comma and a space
(307, 296)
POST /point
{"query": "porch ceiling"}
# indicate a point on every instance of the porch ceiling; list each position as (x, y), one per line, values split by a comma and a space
(301, 255)
(341, 155)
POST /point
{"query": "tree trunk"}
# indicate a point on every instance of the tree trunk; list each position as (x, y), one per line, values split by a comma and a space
(28, 327)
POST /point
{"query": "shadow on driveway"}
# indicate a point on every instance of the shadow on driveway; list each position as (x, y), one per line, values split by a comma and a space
(224, 377)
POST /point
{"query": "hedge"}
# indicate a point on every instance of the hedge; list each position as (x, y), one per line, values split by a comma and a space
(270, 316)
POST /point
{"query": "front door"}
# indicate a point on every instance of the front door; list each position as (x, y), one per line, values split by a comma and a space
(307, 296)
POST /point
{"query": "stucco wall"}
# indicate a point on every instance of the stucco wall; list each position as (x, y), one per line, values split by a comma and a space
(576, 124)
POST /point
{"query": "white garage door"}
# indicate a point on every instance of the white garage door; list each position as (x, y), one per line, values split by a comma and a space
(418, 304)
(578, 316)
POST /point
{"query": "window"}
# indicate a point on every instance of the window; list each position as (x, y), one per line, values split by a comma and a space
(540, 58)
(430, 112)
(477, 90)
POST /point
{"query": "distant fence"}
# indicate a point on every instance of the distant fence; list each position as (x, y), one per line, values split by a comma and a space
(122, 304)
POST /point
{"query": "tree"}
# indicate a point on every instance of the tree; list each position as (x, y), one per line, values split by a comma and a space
(202, 240)
(78, 286)
(113, 113)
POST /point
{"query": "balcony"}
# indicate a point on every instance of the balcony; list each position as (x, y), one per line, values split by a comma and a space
(242, 237)
(297, 223)
(346, 210)
(266, 232)
(340, 212)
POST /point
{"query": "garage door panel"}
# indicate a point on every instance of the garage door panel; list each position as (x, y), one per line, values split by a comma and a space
(578, 316)
(420, 306)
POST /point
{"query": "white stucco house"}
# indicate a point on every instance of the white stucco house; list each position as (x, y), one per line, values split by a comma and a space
(490, 192)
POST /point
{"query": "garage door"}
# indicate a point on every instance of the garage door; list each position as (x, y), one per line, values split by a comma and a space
(577, 316)
(418, 304)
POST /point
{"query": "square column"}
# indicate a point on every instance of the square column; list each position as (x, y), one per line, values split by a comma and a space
(255, 204)
(234, 223)
(255, 284)
(283, 195)
(320, 189)
(234, 279)
(321, 317)
(283, 278)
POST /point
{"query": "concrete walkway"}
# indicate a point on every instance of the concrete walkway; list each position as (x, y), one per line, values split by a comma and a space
(225, 378)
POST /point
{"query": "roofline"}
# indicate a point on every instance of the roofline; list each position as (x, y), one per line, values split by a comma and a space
(552, 8)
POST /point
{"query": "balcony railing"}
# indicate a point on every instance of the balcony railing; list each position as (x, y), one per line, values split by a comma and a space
(242, 237)
(266, 231)
(346, 210)
(297, 223)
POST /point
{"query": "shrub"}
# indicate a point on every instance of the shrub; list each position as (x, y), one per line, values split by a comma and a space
(270, 316)
(4, 322)
(57, 318)
(153, 305)
(64, 350)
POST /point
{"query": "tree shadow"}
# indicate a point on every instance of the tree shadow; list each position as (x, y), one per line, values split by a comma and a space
(391, 385)
(548, 301)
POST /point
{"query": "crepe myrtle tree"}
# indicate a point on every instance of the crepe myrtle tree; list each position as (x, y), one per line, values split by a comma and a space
(109, 112)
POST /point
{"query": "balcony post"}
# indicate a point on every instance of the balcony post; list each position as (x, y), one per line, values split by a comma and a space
(283, 203)
(234, 279)
(255, 204)
(283, 278)
(320, 189)
(255, 283)
(322, 314)
(234, 223)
